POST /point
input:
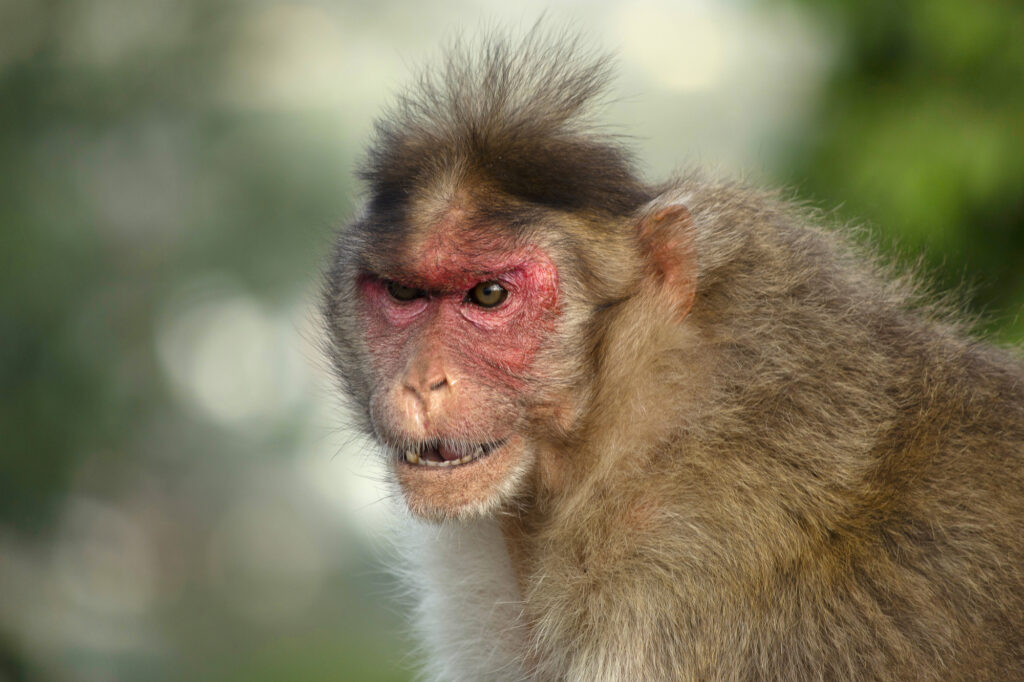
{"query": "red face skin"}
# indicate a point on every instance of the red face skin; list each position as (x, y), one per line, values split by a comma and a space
(449, 373)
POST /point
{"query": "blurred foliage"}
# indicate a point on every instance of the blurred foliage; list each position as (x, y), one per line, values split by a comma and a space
(133, 185)
(920, 132)
(125, 174)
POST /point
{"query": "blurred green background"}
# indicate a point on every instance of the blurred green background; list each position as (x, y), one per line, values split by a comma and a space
(179, 496)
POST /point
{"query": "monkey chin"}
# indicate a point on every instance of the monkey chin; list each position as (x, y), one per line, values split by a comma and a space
(462, 491)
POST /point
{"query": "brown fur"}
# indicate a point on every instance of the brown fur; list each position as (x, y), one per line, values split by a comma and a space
(753, 455)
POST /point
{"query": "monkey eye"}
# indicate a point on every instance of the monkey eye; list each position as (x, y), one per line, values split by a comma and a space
(400, 292)
(487, 294)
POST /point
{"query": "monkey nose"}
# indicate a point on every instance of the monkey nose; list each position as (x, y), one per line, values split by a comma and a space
(428, 391)
(424, 401)
(424, 386)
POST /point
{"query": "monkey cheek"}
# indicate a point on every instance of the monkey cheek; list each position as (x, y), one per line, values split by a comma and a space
(465, 491)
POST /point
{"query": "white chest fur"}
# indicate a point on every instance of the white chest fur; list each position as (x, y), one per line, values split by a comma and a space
(468, 606)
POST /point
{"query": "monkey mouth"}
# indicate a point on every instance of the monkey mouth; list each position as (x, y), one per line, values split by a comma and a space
(447, 453)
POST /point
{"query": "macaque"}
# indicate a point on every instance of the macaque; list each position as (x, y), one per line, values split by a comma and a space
(674, 431)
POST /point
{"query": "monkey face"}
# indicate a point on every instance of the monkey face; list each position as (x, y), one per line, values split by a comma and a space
(453, 329)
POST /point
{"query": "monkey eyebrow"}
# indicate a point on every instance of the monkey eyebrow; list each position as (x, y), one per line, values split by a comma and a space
(385, 279)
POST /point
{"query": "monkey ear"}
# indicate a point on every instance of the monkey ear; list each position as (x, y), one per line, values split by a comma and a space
(666, 234)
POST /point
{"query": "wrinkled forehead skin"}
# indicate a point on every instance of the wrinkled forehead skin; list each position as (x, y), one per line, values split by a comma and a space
(451, 238)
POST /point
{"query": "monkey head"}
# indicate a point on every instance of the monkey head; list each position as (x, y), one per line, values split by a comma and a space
(465, 305)
(468, 328)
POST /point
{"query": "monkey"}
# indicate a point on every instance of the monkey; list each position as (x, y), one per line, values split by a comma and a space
(683, 430)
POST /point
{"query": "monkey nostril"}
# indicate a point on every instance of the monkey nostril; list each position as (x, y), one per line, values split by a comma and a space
(438, 384)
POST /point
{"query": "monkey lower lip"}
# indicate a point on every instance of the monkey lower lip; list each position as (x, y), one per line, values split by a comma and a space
(441, 456)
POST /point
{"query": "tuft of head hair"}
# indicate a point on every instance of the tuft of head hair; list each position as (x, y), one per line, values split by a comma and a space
(514, 115)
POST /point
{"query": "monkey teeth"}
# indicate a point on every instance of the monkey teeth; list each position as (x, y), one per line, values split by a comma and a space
(430, 456)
